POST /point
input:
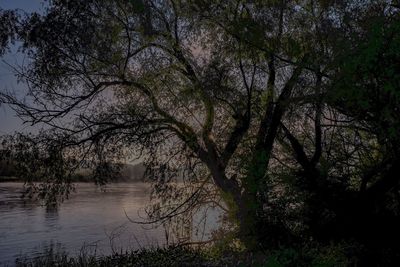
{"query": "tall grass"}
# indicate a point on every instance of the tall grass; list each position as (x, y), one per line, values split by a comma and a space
(171, 256)
(315, 255)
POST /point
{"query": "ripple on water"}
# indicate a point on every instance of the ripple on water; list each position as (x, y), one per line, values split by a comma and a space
(90, 218)
(85, 218)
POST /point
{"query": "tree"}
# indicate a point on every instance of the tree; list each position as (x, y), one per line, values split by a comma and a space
(246, 93)
(146, 52)
(8, 20)
(366, 89)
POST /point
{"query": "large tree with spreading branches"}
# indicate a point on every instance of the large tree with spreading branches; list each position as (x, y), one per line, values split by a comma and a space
(283, 113)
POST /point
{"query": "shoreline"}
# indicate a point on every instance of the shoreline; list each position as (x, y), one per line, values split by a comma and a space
(9, 179)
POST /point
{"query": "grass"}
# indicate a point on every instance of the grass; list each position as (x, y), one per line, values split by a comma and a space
(171, 256)
(185, 256)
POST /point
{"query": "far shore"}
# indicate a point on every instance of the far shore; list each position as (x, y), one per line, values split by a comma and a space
(8, 179)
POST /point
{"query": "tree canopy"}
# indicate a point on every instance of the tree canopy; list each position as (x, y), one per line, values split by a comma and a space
(283, 113)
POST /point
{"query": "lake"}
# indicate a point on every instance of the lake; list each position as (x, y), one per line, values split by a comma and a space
(91, 220)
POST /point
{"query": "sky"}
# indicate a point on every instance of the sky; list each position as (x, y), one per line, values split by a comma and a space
(9, 122)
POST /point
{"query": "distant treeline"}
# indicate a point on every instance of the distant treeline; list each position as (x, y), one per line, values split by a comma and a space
(128, 173)
(7, 170)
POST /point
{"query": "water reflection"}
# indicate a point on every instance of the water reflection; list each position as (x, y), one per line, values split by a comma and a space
(51, 215)
(87, 219)
(91, 219)
(52, 209)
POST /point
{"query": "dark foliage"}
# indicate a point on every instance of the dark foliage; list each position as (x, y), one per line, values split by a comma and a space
(284, 114)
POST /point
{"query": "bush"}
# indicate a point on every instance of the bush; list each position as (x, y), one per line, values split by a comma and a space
(308, 255)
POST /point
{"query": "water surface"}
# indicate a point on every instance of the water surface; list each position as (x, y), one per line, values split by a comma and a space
(90, 219)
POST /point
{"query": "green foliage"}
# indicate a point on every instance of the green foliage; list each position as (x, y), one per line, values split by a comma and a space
(184, 83)
(138, 6)
(231, 205)
(42, 167)
(172, 256)
(367, 85)
(315, 255)
(310, 255)
(255, 177)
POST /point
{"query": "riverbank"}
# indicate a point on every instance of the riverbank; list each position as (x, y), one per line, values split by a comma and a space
(315, 255)
(5, 179)
(310, 254)
(172, 256)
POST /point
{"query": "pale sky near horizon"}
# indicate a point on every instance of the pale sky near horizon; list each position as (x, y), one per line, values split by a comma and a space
(9, 122)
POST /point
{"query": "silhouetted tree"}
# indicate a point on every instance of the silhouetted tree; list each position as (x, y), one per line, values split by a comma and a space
(290, 107)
